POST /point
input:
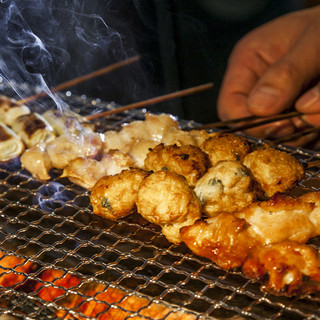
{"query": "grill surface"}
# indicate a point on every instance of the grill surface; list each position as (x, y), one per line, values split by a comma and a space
(52, 224)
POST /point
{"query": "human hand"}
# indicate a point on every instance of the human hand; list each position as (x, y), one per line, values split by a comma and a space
(273, 68)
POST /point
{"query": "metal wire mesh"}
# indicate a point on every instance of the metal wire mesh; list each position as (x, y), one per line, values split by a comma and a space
(52, 225)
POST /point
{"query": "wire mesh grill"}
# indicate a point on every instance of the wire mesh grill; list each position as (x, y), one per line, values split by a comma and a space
(52, 225)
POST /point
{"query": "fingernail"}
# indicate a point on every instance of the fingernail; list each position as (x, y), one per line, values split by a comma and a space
(263, 98)
(308, 99)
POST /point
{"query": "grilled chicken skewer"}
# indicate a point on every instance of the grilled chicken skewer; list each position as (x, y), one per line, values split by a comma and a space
(11, 145)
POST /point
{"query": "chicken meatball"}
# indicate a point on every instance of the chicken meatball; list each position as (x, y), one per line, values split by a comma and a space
(166, 199)
(226, 146)
(187, 160)
(273, 170)
(226, 187)
(114, 197)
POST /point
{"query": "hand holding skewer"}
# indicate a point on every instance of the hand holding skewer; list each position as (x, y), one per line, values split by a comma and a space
(267, 74)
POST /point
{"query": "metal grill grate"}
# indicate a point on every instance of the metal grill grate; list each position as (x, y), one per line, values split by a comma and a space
(52, 225)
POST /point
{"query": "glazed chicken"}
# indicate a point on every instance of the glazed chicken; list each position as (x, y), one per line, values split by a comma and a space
(273, 170)
(187, 160)
(290, 267)
(114, 197)
(224, 239)
(165, 199)
(280, 218)
(226, 147)
(226, 187)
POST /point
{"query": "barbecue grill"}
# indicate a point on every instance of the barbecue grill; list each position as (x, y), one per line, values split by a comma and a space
(52, 225)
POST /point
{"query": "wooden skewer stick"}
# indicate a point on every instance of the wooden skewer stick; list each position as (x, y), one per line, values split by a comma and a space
(83, 78)
(265, 120)
(313, 164)
(155, 100)
(295, 135)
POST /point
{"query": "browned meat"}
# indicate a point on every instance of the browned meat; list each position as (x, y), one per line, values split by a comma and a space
(187, 160)
(226, 147)
(113, 197)
(274, 170)
(226, 187)
(223, 239)
(166, 199)
(291, 268)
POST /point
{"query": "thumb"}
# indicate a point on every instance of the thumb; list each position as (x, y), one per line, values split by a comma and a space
(283, 81)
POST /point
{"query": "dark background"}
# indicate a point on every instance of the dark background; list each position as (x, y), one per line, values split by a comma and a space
(182, 43)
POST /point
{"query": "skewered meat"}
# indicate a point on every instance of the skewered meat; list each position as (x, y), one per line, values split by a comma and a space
(273, 170)
(11, 146)
(33, 129)
(36, 160)
(187, 160)
(139, 151)
(10, 110)
(226, 187)
(226, 147)
(86, 171)
(114, 197)
(179, 137)
(64, 149)
(154, 127)
(165, 198)
(66, 121)
(290, 267)
(224, 239)
(313, 198)
(281, 218)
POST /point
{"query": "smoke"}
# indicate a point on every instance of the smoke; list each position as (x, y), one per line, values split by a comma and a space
(43, 42)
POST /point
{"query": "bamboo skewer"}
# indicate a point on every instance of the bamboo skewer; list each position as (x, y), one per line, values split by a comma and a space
(151, 101)
(83, 78)
(295, 136)
(264, 120)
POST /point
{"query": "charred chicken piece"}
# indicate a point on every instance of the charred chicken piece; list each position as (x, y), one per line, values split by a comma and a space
(226, 146)
(290, 268)
(11, 145)
(86, 171)
(223, 239)
(66, 148)
(11, 109)
(226, 187)
(165, 199)
(36, 160)
(187, 160)
(273, 170)
(33, 129)
(114, 197)
(278, 219)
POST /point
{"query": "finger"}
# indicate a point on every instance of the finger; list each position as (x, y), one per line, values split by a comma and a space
(309, 102)
(275, 130)
(284, 80)
(243, 71)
